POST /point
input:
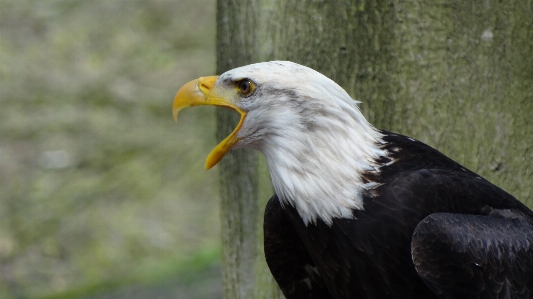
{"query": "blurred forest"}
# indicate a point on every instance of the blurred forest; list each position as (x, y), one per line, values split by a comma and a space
(101, 195)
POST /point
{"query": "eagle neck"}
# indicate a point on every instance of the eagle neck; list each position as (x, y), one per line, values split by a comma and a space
(322, 171)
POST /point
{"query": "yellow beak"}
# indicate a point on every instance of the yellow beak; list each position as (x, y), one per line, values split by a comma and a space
(202, 91)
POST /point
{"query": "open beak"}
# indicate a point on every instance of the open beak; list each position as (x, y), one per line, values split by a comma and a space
(202, 91)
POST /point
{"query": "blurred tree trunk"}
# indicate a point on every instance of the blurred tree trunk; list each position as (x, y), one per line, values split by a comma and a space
(236, 46)
(454, 74)
(244, 270)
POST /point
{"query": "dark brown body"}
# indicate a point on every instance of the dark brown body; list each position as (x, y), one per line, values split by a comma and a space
(433, 229)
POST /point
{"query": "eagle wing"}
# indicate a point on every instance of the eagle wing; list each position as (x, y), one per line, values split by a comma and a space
(475, 256)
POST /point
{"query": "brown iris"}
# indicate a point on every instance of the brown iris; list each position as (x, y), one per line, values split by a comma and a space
(246, 87)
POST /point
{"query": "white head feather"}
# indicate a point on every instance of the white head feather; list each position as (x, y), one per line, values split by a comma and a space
(316, 141)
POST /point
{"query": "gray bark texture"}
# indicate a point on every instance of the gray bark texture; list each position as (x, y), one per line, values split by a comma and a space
(457, 75)
(239, 189)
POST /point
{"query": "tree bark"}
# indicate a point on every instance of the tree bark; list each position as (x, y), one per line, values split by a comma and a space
(238, 170)
(456, 75)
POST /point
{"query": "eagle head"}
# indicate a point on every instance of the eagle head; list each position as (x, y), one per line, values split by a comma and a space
(316, 142)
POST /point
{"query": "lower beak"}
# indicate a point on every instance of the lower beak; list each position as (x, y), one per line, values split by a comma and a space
(203, 91)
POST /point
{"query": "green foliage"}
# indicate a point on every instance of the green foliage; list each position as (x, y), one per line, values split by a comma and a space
(158, 274)
(95, 177)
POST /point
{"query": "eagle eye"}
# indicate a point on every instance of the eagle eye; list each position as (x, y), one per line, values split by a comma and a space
(246, 87)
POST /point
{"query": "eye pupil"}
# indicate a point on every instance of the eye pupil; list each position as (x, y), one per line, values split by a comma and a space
(245, 87)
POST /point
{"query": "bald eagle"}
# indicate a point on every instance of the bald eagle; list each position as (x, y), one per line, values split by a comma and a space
(361, 212)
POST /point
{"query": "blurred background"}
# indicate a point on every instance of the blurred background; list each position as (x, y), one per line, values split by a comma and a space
(102, 195)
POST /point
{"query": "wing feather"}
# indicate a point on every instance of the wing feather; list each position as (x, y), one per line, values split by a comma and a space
(475, 256)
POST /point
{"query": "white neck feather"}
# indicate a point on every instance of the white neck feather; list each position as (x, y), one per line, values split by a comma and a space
(317, 163)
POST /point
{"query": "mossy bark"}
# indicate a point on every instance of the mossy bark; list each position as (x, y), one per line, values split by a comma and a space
(457, 75)
(244, 269)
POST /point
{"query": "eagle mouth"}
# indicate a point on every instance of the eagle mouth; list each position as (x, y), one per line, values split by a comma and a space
(203, 91)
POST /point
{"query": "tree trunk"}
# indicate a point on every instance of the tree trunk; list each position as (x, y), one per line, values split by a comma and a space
(456, 75)
(244, 269)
